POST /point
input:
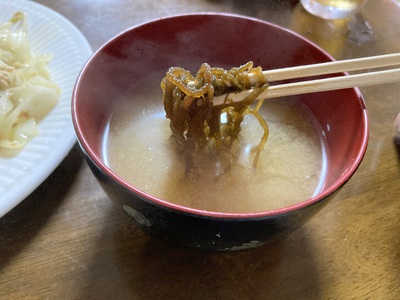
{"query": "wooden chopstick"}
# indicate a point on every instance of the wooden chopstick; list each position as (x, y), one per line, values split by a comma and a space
(326, 84)
(340, 66)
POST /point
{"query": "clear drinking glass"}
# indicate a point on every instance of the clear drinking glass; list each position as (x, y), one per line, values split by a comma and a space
(333, 9)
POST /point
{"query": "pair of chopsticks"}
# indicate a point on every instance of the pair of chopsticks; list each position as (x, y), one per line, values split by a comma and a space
(326, 84)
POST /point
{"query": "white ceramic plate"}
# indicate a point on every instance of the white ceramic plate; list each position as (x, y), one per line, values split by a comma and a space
(49, 32)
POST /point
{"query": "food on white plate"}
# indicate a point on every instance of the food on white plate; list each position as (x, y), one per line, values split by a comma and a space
(27, 92)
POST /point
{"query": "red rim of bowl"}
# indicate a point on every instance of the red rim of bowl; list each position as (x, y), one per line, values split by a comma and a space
(212, 214)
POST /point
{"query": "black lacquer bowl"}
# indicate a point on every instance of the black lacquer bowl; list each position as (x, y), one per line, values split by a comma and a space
(227, 40)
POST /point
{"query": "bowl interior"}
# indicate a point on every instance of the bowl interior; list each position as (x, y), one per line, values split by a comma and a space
(220, 40)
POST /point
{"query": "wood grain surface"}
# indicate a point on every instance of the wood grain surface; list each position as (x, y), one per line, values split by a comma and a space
(68, 241)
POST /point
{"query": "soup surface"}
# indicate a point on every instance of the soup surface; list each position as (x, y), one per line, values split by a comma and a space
(138, 146)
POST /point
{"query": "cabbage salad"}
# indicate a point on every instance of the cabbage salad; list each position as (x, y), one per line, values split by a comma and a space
(27, 92)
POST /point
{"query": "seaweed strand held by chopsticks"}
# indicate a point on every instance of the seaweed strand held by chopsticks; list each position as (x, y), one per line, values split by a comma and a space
(197, 123)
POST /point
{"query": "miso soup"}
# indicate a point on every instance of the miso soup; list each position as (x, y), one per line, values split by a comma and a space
(139, 148)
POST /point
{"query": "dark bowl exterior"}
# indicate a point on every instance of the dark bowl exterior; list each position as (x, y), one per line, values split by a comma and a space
(179, 41)
(203, 232)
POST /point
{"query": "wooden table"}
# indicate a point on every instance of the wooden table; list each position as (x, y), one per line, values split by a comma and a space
(68, 241)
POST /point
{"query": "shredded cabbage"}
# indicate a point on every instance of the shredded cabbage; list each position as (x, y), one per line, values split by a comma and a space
(27, 92)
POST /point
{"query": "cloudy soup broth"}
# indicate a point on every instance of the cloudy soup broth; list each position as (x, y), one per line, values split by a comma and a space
(138, 146)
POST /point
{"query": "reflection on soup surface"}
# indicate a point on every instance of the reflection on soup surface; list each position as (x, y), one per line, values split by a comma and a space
(139, 148)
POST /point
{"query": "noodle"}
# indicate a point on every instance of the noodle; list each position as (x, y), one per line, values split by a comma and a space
(196, 123)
